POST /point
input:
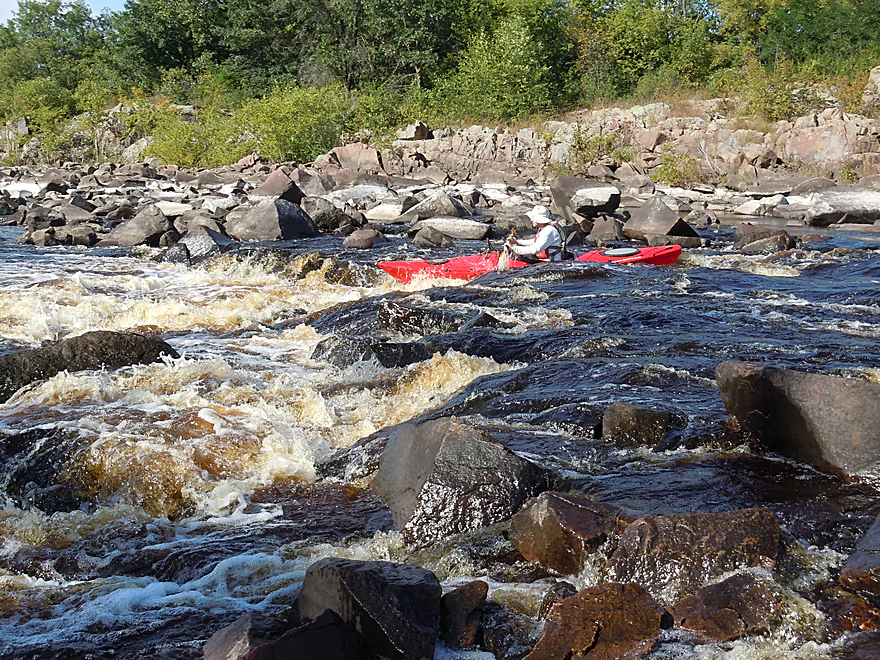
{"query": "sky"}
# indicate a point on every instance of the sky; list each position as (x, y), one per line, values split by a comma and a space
(7, 7)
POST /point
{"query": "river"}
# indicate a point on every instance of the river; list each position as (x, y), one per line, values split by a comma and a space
(196, 480)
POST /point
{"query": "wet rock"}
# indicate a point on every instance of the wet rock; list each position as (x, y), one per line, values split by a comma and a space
(145, 228)
(559, 531)
(748, 233)
(777, 242)
(348, 273)
(607, 622)
(460, 228)
(655, 217)
(444, 476)
(687, 242)
(607, 229)
(394, 607)
(198, 244)
(328, 637)
(846, 612)
(675, 555)
(429, 237)
(864, 646)
(280, 185)
(412, 320)
(270, 220)
(586, 197)
(507, 634)
(364, 239)
(830, 422)
(740, 605)
(554, 595)
(461, 611)
(345, 351)
(627, 425)
(239, 638)
(84, 235)
(862, 569)
(93, 350)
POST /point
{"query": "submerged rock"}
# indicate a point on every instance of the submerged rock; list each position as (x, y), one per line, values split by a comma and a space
(394, 607)
(675, 555)
(607, 622)
(444, 476)
(559, 531)
(830, 422)
(626, 425)
(92, 350)
(862, 569)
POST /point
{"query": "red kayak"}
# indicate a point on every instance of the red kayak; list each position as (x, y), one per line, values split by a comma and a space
(467, 268)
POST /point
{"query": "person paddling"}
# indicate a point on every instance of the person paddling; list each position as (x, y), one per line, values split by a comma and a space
(547, 245)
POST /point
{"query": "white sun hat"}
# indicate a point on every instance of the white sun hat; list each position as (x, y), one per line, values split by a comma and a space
(540, 214)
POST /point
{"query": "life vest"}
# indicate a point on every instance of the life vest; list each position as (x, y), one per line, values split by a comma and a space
(555, 252)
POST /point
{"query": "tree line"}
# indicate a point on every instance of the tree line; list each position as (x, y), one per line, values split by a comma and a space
(343, 66)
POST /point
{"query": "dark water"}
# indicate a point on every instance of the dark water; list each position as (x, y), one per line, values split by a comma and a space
(196, 485)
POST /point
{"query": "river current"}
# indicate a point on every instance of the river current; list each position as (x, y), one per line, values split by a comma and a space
(198, 479)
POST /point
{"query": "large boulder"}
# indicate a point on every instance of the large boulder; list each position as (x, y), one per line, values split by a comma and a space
(146, 228)
(438, 205)
(444, 476)
(606, 622)
(358, 157)
(676, 555)
(394, 607)
(586, 197)
(830, 422)
(93, 350)
(830, 206)
(862, 569)
(740, 605)
(559, 531)
(655, 217)
(607, 229)
(270, 220)
(239, 638)
(460, 228)
(279, 185)
(198, 244)
(328, 637)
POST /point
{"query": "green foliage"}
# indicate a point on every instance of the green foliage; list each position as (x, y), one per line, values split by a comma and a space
(500, 76)
(589, 148)
(676, 169)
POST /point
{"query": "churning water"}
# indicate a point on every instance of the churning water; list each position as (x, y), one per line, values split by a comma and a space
(194, 482)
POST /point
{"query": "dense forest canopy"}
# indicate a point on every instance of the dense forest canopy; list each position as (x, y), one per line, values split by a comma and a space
(337, 66)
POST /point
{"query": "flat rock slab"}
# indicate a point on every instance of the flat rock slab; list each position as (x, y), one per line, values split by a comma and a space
(676, 555)
(92, 350)
(394, 607)
(559, 531)
(607, 622)
(862, 569)
(460, 228)
(830, 422)
(445, 477)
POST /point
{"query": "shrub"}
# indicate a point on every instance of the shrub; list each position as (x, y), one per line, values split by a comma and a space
(676, 169)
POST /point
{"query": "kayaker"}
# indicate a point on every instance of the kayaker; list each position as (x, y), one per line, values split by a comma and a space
(546, 245)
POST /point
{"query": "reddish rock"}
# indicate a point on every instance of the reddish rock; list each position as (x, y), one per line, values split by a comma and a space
(558, 530)
(675, 555)
(740, 605)
(279, 184)
(626, 425)
(328, 637)
(555, 594)
(363, 239)
(461, 611)
(607, 622)
(847, 612)
(358, 157)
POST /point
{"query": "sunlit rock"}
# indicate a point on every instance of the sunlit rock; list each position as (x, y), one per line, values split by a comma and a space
(394, 607)
(279, 184)
(586, 197)
(862, 570)
(655, 217)
(461, 611)
(270, 220)
(143, 229)
(445, 476)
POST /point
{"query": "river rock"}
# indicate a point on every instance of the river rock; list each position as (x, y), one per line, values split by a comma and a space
(407, 319)
(460, 228)
(444, 476)
(676, 555)
(557, 593)
(196, 217)
(829, 206)
(429, 237)
(394, 607)
(270, 220)
(197, 245)
(777, 242)
(363, 239)
(606, 622)
(626, 425)
(99, 349)
(238, 639)
(559, 531)
(345, 351)
(607, 229)
(74, 214)
(84, 235)
(830, 422)
(143, 229)
(328, 637)
(740, 605)
(586, 197)
(461, 611)
(280, 185)
(358, 157)
(687, 242)
(438, 205)
(655, 217)
(862, 569)
(327, 217)
(814, 184)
